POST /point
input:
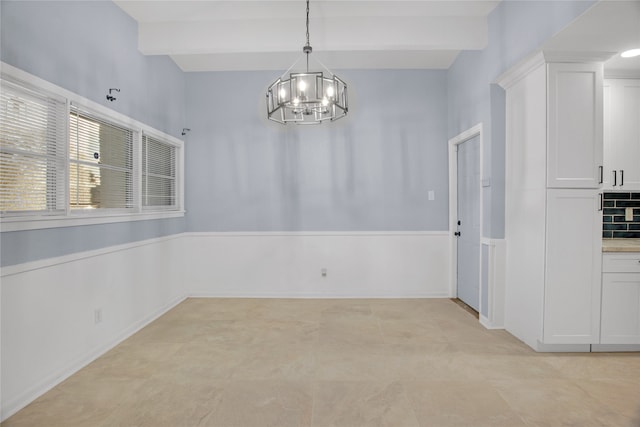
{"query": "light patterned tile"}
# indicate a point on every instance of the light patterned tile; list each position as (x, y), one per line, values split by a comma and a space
(253, 362)
(361, 404)
(460, 403)
(557, 402)
(262, 403)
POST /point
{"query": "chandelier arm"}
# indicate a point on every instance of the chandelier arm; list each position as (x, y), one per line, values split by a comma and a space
(324, 66)
(294, 64)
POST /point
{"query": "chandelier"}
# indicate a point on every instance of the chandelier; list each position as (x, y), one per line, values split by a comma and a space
(307, 97)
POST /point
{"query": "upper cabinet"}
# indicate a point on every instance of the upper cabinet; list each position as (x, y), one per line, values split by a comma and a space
(575, 131)
(622, 134)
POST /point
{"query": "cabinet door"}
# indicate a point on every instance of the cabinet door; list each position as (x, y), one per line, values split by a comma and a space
(574, 125)
(620, 308)
(608, 134)
(623, 138)
(573, 266)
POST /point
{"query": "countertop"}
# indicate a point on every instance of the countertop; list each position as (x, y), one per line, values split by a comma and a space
(620, 245)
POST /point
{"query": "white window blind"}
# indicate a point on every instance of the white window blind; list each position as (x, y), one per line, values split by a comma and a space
(158, 173)
(32, 151)
(100, 163)
(67, 161)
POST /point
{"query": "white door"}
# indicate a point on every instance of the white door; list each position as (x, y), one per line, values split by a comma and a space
(469, 222)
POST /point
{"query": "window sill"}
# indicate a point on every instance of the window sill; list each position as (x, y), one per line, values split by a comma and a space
(41, 222)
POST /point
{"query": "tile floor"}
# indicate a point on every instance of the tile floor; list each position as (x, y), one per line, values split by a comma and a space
(275, 362)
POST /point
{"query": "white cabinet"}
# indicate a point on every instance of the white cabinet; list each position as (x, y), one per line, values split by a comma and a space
(553, 228)
(573, 267)
(574, 111)
(620, 322)
(622, 134)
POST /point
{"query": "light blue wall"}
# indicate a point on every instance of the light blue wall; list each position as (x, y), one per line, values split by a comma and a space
(88, 47)
(369, 171)
(516, 29)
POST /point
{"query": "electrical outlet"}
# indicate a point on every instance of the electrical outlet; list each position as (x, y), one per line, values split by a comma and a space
(628, 214)
(97, 315)
(323, 272)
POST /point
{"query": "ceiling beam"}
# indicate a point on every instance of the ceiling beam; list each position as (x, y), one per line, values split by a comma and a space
(337, 34)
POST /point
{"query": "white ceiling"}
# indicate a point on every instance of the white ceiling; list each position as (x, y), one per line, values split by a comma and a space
(218, 35)
(228, 35)
(609, 26)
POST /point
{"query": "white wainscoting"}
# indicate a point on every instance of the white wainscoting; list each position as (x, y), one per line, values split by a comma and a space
(358, 265)
(493, 283)
(48, 307)
(48, 311)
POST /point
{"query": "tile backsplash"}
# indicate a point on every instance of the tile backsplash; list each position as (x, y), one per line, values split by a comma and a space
(613, 215)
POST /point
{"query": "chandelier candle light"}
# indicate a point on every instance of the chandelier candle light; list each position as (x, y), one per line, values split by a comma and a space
(309, 97)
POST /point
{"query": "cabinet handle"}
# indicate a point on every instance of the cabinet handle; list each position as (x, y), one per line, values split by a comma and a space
(615, 178)
(601, 169)
(601, 201)
(621, 177)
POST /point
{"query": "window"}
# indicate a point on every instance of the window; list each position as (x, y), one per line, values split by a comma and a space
(158, 173)
(32, 151)
(100, 163)
(65, 160)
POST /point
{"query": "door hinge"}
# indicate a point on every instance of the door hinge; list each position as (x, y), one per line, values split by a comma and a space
(457, 233)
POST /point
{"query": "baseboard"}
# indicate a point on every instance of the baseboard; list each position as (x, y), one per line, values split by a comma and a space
(314, 296)
(596, 348)
(488, 324)
(19, 402)
(562, 348)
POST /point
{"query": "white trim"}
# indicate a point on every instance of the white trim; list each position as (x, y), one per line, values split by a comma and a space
(313, 233)
(596, 348)
(73, 220)
(520, 70)
(72, 217)
(562, 348)
(621, 74)
(15, 404)
(539, 58)
(316, 295)
(577, 56)
(495, 284)
(453, 199)
(11, 270)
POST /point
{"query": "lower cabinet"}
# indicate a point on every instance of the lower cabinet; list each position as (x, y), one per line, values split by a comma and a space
(620, 316)
(572, 267)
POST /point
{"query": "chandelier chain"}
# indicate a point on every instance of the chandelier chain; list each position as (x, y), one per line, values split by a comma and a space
(307, 22)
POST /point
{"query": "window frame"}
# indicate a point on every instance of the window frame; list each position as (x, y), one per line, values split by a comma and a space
(71, 217)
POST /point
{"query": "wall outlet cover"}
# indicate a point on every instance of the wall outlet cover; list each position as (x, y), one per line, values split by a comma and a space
(628, 214)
